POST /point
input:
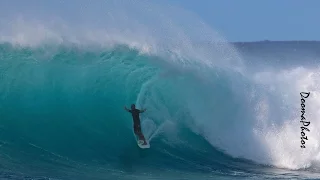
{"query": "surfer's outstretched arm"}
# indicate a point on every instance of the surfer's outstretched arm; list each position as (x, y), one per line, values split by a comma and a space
(143, 110)
(125, 108)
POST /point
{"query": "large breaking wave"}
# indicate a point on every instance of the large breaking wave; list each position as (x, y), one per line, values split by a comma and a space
(64, 84)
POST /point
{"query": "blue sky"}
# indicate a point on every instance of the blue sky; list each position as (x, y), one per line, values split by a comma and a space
(236, 20)
(252, 20)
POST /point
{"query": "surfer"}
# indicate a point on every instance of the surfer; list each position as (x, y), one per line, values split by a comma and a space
(136, 121)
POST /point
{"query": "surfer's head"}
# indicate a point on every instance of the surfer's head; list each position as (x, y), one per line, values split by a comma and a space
(133, 106)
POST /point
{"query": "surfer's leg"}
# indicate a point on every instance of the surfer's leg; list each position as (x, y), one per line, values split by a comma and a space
(141, 136)
(137, 131)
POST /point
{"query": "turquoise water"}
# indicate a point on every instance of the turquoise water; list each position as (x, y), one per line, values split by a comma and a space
(62, 117)
(215, 110)
(65, 111)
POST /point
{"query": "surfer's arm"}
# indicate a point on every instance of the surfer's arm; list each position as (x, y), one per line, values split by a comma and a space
(143, 110)
(125, 108)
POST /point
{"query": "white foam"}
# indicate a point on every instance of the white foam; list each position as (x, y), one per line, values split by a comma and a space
(257, 117)
(151, 28)
(283, 141)
(266, 128)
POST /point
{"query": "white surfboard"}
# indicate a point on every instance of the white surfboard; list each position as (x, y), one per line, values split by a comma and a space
(140, 144)
(145, 125)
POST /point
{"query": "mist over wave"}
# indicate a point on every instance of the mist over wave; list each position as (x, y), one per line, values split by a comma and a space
(65, 80)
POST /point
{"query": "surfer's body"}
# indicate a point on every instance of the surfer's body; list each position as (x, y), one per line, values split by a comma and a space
(136, 121)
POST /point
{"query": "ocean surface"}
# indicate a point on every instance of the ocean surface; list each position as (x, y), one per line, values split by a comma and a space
(215, 109)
